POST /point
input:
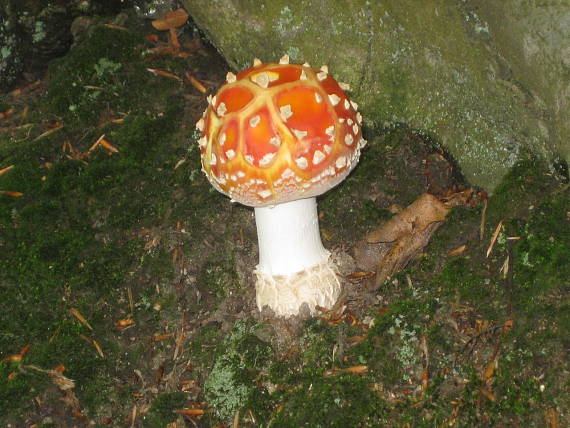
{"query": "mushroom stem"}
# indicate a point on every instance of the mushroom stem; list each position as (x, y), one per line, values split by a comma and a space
(289, 238)
(293, 264)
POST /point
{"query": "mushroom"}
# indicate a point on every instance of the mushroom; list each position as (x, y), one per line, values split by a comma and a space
(274, 137)
(171, 21)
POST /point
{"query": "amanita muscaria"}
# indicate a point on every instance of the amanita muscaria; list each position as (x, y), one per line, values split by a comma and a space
(274, 137)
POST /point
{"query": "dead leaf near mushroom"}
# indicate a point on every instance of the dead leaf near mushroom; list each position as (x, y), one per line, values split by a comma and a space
(394, 244)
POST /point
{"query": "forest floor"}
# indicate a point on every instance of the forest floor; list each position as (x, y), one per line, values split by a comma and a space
(126, 285)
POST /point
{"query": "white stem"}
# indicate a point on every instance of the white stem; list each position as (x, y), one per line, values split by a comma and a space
(289, 239)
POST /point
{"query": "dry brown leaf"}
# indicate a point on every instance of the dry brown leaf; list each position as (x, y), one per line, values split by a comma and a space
(425, 210)
(161, 337)
(356, 339)
(196, 83)
(7, 113)
(494, 238)
(80, 318)
(124, 323)
(108, 146)
(359, 370)
(163, 73)
(16, 358)
(172, 19)
(96, 143)
(425, 380)
(394, 244)
(489, 371)
(62, 382)
(11, 193)
(360, 275)
(57, 127)
(508, 326)
(552, 418)
(5, 170)
(116, 27)
(487, 394)
(180, 162)
(190, 412)
(457, 251)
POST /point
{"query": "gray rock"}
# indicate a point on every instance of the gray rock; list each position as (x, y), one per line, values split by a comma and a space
(487, 79)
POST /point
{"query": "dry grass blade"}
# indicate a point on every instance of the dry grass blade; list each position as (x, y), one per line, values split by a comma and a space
(179, 342)
(108, 146)
(11, 193)
(494, 238)
(5, 170)
(487, 394)
(116, 27)
(358, 370)
(161, 337)
(80, 318)
(163, 73)
(96, 143)
(48, 132)
(482, 226)
(124, 323)
(196, 83)
(190, 412)
(457, 251)
(489, 370)
(94, 343)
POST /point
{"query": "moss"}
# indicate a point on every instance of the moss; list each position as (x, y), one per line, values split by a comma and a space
(161, 411)
(218, 278)
(338, 401)
(230, 385)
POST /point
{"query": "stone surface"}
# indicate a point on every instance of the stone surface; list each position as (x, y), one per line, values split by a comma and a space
(446, 68)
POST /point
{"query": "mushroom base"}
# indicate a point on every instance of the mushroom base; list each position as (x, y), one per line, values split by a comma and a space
(316, 286)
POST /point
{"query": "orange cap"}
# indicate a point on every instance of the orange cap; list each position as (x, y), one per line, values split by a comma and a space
(276, 133)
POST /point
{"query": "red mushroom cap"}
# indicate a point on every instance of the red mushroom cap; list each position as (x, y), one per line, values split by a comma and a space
(276, 133)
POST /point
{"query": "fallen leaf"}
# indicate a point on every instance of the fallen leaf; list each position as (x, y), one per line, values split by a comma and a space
(49, 132)
(494, 238)
(359, 370)
(552, 418)
(124, 323)
(11, 193)
(391, 246)
(62, 382)
(108, 146)
(190, 412)
(425, 380)
(172, 19)
(96, 143)
(487, 394)
(180, 162)
(356, 339)
(489, 371)
(116, 27)
(23, 89)
(16, 358)
(163, 73)
(7, 113)
(196, 83)
(80, 318)
(457, 251)
(507, 326)
(161, 337)
(360, 275)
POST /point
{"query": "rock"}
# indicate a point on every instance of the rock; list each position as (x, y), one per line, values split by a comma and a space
(445, 68)
(11, 64)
